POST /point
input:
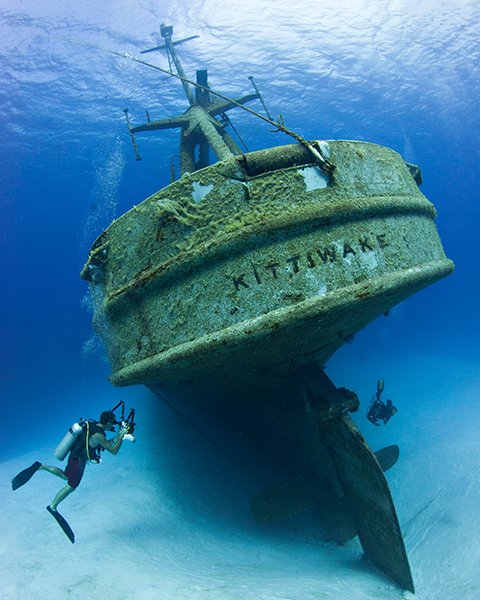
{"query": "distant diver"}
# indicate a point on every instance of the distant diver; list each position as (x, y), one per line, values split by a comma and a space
(378, 410)
(84, 441)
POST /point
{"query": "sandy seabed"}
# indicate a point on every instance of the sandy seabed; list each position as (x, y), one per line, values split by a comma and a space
(168, 518)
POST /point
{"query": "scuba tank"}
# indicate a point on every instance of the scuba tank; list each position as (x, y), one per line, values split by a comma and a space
(70, 438)
(380, 388)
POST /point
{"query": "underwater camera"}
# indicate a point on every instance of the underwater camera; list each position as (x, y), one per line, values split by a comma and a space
(126, 422)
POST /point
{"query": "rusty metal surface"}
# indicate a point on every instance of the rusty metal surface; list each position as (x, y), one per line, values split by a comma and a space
(255, 264)
(270, 342)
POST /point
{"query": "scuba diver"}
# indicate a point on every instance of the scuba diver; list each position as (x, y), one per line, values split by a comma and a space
(84, 441)
(378, 410)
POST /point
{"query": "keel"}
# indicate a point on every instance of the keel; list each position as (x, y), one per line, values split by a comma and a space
(361, 478)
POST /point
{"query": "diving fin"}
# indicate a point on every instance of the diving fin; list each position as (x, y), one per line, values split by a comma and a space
(63, 524)
(25, 475)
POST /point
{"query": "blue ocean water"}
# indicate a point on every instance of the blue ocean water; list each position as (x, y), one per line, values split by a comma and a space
(398, 73)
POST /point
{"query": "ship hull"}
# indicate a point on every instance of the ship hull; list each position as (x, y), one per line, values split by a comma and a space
(255, 263)
(233, 286)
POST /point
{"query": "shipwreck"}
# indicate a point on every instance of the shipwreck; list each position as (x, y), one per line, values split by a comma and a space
(239, 280)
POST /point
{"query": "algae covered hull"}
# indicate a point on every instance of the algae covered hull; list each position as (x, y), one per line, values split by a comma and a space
(260, 261)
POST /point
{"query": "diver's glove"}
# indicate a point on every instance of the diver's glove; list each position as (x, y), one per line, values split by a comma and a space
(124, 432)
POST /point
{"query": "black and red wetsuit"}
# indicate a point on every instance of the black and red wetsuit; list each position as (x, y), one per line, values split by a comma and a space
(78, 455)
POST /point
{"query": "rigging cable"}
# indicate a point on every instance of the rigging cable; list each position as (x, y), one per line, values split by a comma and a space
(279, 124)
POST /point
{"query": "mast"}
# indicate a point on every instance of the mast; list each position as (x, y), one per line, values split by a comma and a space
(166, 33)
(198, 125)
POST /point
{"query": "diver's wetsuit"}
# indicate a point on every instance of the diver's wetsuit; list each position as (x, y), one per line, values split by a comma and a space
(78, 455)
(379, 411)
(374, 410)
